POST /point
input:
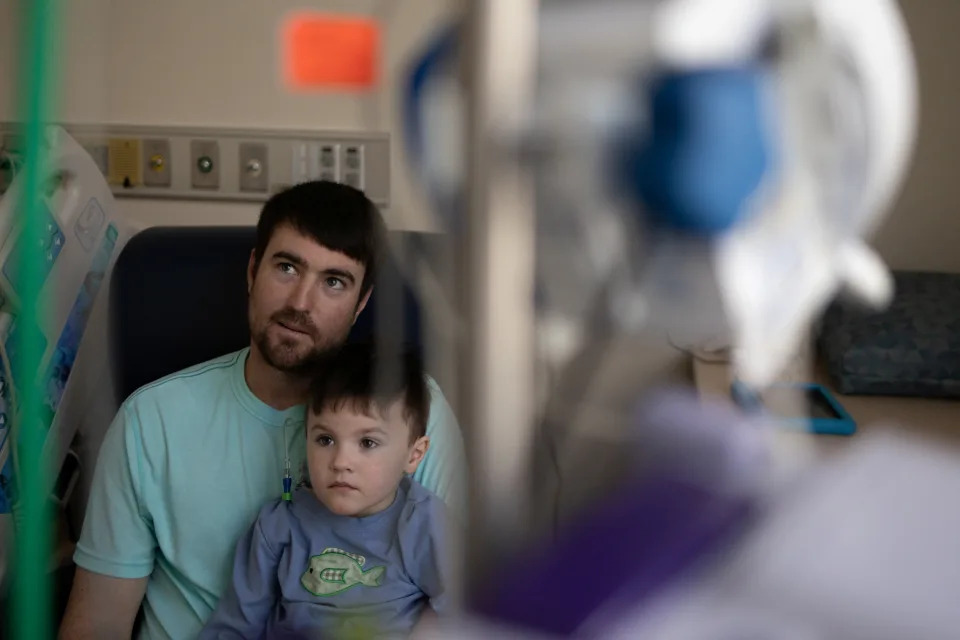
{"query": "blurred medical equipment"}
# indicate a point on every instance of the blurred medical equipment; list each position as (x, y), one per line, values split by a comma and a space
(712, 168)
(82, 237)
(759, 140)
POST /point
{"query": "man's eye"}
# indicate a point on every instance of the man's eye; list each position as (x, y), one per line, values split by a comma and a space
(335, 283)
(286, 267)
(367, 443)
(324, 441)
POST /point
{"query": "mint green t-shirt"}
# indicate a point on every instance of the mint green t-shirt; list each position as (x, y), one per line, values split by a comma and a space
(184, 469)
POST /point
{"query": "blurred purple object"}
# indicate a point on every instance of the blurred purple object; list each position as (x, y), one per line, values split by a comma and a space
(708, 442)
(702, 461)
(632, 546)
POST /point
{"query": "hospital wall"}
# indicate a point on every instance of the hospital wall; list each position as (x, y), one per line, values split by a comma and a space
(210, 64)
(213, 63)
(923, 229)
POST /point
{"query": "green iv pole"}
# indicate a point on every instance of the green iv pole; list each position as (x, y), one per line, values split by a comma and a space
(31, 611)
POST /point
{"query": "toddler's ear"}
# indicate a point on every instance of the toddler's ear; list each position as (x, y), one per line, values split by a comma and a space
(417, 451)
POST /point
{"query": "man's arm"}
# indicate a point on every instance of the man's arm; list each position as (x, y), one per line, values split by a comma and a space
(115, 553)
(101, 607)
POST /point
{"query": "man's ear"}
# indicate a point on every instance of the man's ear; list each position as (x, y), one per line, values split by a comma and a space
(417, 451)
(251, 270)
(362, 304)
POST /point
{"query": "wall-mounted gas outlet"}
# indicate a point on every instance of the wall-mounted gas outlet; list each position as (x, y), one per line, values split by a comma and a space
(254, 166)
(204, 164)
(156, 163)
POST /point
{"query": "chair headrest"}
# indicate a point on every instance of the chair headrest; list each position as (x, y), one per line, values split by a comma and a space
(179, 297)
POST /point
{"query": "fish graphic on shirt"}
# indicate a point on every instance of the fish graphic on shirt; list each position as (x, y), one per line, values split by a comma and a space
(335, 570)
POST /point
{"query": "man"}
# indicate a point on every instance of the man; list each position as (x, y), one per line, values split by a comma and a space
(191, 458)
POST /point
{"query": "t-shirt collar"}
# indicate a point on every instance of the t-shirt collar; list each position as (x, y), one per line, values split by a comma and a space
(253, 404)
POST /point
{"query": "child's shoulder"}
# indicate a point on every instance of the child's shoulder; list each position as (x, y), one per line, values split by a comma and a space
(280, 519)
(422, 505)
(274, 508)
(275, 519)
(417, 494)
(284, 520)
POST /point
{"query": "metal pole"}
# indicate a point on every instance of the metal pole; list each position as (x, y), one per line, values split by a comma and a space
(497, 253)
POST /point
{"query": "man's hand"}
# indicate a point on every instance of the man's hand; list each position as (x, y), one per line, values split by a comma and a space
(101, 607)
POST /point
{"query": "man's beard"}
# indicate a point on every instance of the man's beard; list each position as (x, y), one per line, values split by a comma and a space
(286, 356)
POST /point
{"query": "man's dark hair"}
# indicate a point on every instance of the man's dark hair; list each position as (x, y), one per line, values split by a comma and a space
(337, 216)
(363, 378)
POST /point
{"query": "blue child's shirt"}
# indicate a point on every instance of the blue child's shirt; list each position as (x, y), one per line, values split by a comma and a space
(304, 572)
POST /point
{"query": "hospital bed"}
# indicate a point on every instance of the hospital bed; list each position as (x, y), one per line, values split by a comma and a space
(81, 238)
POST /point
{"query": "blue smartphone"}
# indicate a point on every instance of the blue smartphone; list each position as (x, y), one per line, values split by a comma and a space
(804, 406)
(808, 406)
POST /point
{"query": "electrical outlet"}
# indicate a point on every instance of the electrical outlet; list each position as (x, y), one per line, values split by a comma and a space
(254, 167)
(156, 162)
(328, 157)
(351, 166)
(328, 161)
(353, 157)
(204, 164)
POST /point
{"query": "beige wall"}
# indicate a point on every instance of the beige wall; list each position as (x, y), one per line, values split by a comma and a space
(923, 230)
(214, 63)
(209, 63)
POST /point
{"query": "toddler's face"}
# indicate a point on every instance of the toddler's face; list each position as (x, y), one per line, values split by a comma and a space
(356, 461)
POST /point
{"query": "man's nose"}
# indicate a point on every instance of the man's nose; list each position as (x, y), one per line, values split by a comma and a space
(301, 297)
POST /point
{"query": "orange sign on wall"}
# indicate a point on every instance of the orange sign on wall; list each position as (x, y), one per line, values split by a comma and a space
(326, 51)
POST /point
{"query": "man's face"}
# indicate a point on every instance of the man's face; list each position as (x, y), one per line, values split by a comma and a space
(356, 461)
(303, 300)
